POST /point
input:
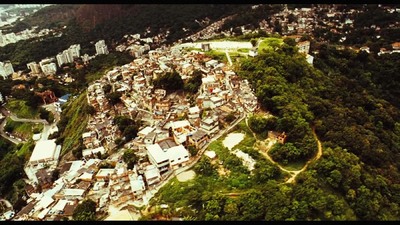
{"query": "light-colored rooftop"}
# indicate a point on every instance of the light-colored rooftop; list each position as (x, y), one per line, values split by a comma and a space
(194, 109)
(208, 79)
(157, 153)
(73, 192)
(151, 171)
(105, 172)
(177, 151)
(60, 205)
(43, 150)
(210, 154)
(145, 131)
(180, 123)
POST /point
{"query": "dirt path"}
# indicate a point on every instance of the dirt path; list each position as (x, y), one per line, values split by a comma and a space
(264, 151)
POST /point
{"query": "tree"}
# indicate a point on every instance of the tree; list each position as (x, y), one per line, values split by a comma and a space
(130, 132)
(46, 115)
(290, 41)
(107, 88)
(114, 97)
(85, 211)
(230, 117)
(253, 42)
(194, 83)
(130, 158)
(89, 109)
(171, 81)
(204, 167)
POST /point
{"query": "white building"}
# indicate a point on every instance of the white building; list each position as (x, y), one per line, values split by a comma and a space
(44, 151)
(209, 125)
(6, 69)
(310, 59)
(152, 175)
(61, 59)
(48, 66)
(181, 130)
(73, 51)
(177, 156)
(88, 152)
(34, 67)
(304, 47)
(68, 55)
(194, 112)
(172, 157)
(158, 157)
(101, 48)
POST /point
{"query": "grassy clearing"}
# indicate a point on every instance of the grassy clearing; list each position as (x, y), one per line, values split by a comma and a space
(21, 110)
(269, 43)
(243, 50)
(294, 165)
(218, 55)
(77, 121)
(26, 130)
(26, 149)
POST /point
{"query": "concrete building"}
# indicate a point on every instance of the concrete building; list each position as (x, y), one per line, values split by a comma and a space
(61, 58)
(101, 48)
(6, 69)
(73, 51)
(44, 151)
(68, 55)
(48, 66)
(152, 175)
(34, 67)
(209, 125)
(304, 47)
(164, 159)
(158, 157)
(194, 112)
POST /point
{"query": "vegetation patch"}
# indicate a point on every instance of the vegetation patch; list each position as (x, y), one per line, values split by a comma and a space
(23, 130)
(21, 110)
(74, 118)
(269, 43)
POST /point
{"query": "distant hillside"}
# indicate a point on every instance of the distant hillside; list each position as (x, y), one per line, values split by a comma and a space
(114, 20)
(87, 23)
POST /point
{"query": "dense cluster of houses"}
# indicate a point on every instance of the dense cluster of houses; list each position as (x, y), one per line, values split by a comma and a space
(172, 125)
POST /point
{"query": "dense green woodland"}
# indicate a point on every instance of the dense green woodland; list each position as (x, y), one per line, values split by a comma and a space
(349, 100)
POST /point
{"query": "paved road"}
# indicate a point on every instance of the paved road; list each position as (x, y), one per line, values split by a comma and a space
(47, 128)
(4, 135)
(228, 57)
(293, 173)
(202, 150)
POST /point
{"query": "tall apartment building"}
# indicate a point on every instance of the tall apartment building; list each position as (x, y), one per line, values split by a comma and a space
(68, 55)
(74, 50)
(34, 67)
(61, 59)
(1, 39)
(48, 66)
(6, 69)
(101, 47)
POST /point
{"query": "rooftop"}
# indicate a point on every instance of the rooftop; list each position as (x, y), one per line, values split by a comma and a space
(43, 150)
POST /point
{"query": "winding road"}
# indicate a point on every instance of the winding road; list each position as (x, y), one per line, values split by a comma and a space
(47, 128)
(264, 151)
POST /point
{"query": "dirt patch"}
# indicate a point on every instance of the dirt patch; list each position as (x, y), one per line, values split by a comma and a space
(232, 139)
(185, 176)
(119, 215)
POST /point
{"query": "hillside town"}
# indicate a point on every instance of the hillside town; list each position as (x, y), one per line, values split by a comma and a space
(172, 125)
(175, 130)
